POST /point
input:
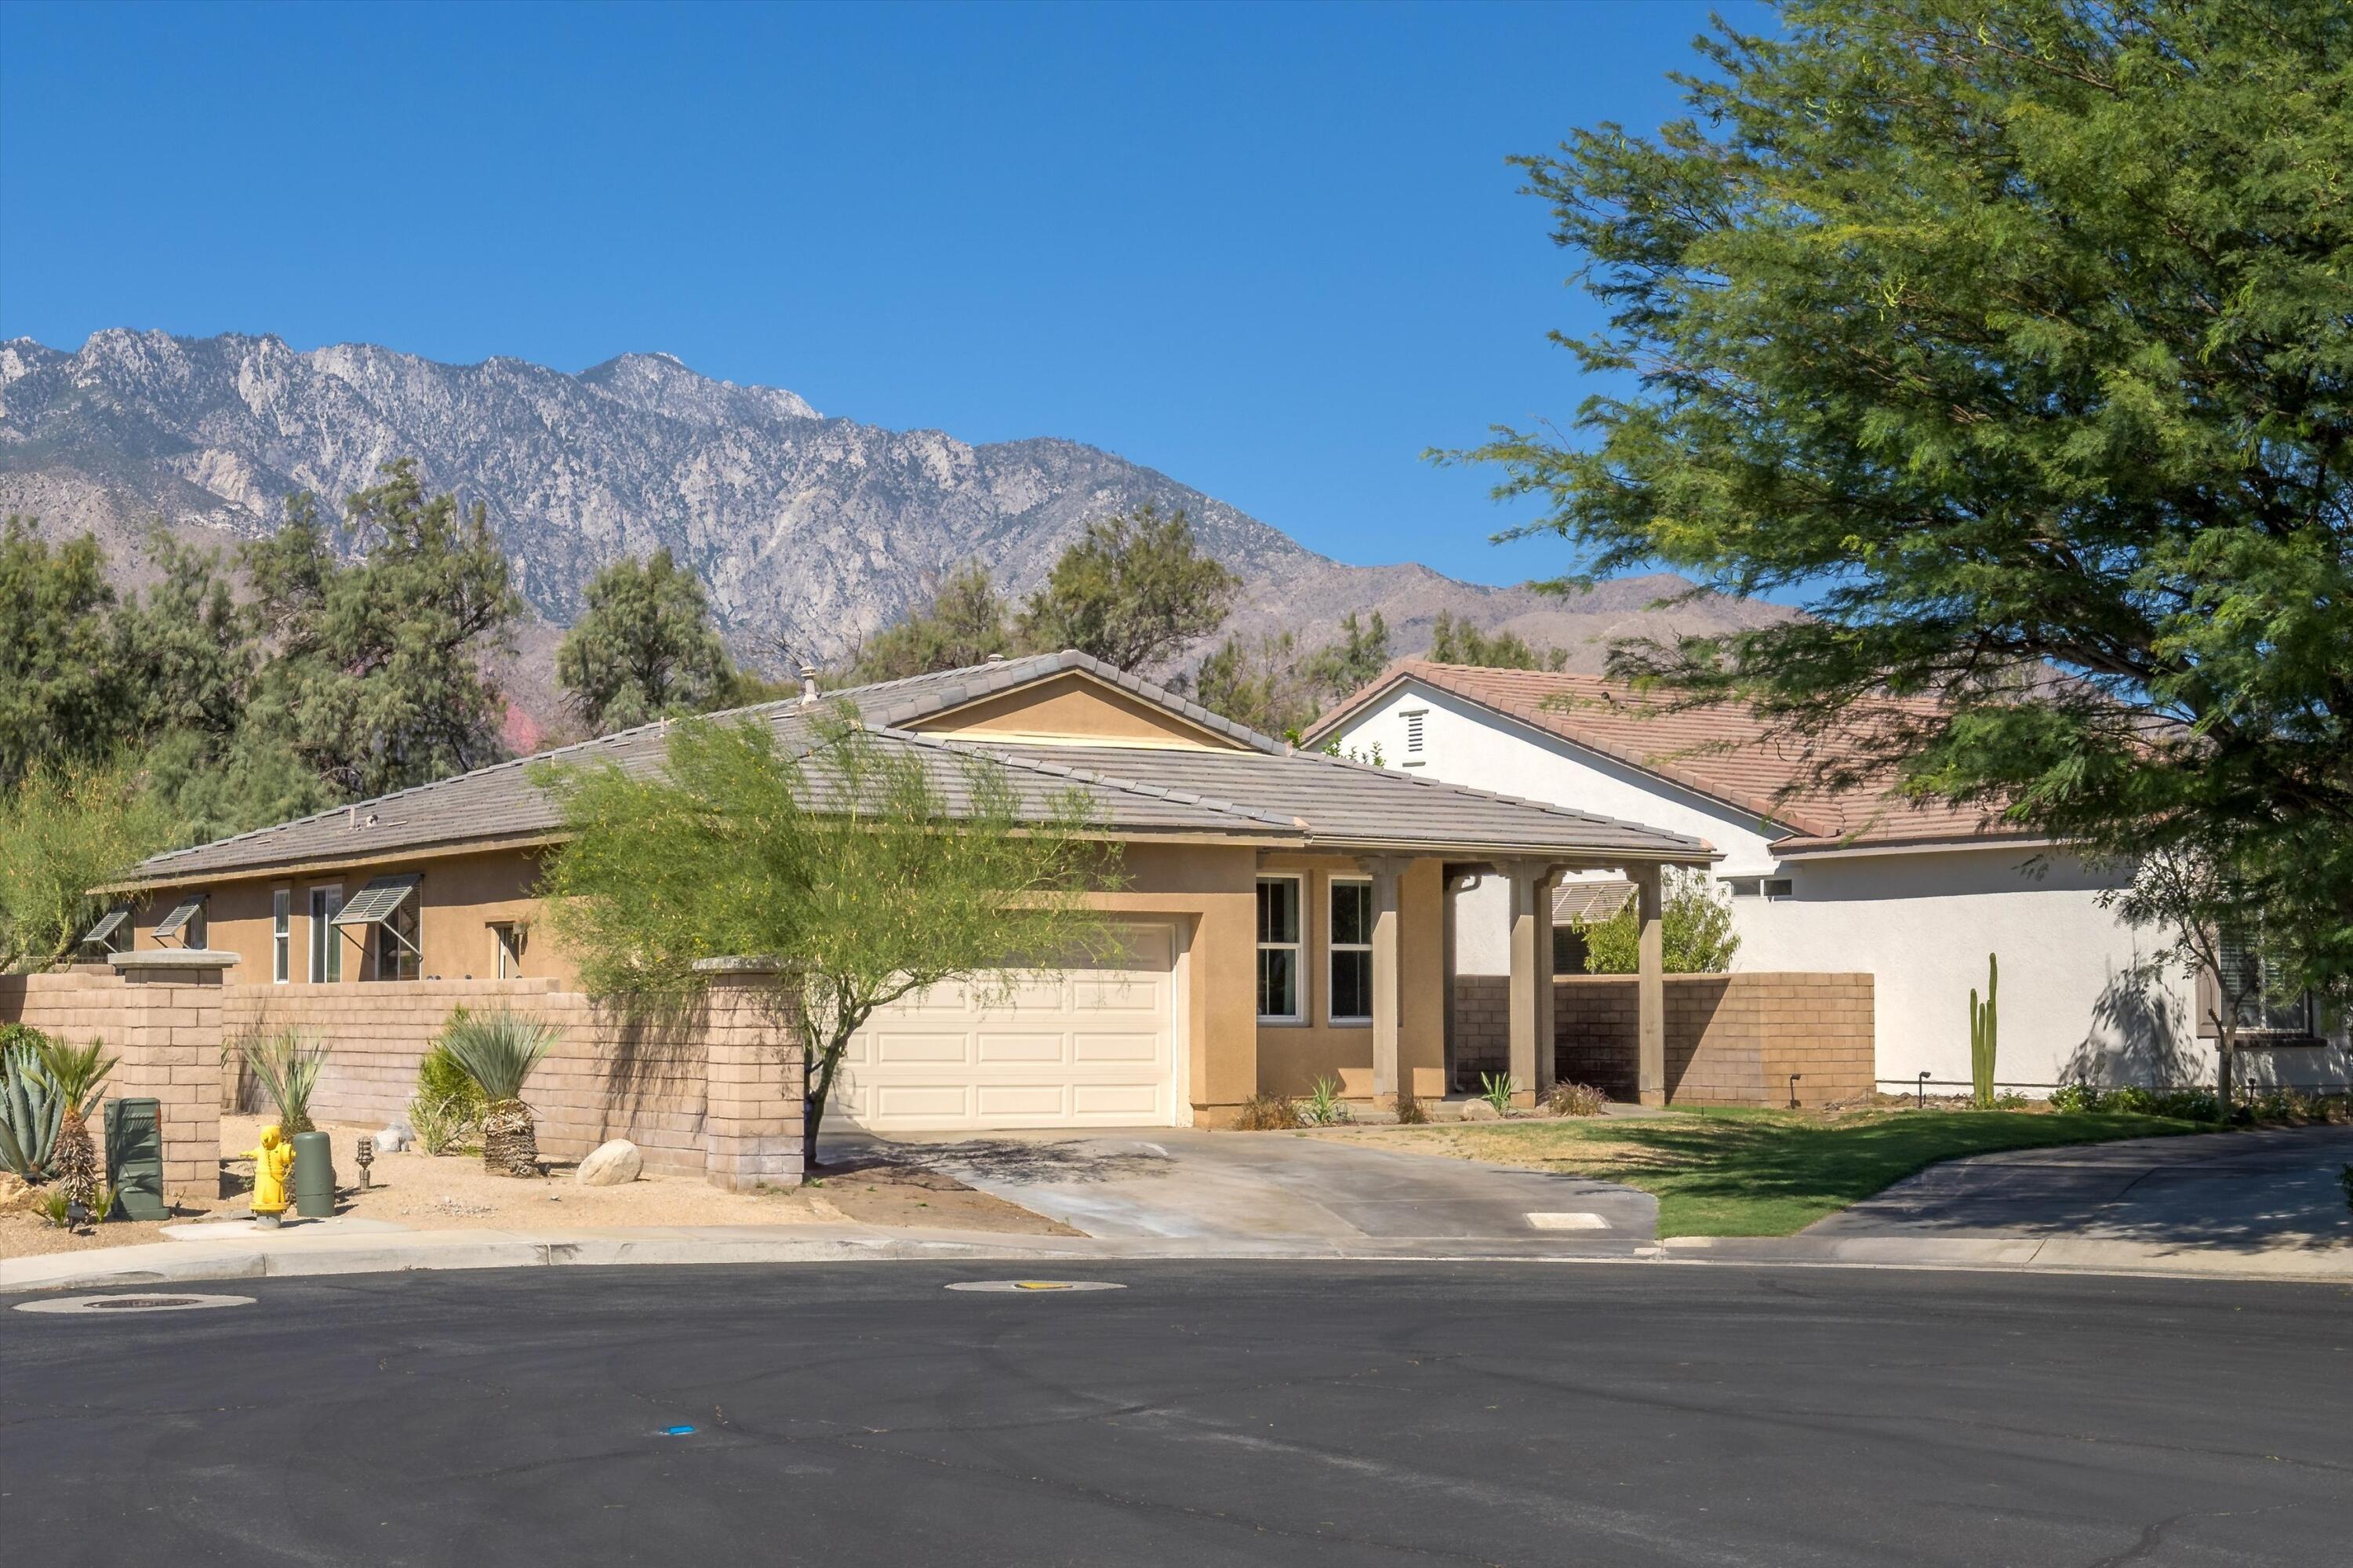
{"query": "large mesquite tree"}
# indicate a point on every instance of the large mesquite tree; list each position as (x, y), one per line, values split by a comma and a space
(2017, 337)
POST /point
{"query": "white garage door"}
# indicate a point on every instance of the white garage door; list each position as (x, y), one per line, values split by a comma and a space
(1090, 1046)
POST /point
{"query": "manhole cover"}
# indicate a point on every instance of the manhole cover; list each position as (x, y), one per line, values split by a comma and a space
(1036, 1285)
(133, 1303)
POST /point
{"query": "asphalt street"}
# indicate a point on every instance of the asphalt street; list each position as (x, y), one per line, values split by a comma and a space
(1207, 1413)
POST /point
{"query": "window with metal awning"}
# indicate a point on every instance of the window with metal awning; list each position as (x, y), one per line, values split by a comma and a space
(185, 924)
(387, 904)
(102, 935)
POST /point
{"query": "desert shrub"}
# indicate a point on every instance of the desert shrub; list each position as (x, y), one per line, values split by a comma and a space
(1411, 1111)
(1324, 1107)
(285, 1063)
(2075, 1098)
(1576, 1099)
(1266, 1113)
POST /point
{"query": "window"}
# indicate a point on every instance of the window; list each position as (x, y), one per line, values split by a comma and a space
(281, 933)
(1278, 950)
(1352, 951)
(1752, 886)
(2253, 988)
(508, 938)
(112, 934)
(326, 942)
(397, 954)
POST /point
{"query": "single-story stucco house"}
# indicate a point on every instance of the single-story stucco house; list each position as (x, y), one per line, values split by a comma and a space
(1916, 893)
(1286, 911)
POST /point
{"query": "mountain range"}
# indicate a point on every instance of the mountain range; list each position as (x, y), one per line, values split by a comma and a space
(811, 532)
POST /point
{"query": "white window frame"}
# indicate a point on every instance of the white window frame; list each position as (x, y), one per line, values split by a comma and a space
(1296, 948)
(506, 945)
(326, 942)
(1333, 947)
(282, 935)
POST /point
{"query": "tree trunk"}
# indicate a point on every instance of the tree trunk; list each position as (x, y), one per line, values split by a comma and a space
(2224, 1052)
(510, 1140)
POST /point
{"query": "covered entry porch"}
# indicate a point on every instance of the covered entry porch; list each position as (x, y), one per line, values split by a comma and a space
(1355, 971)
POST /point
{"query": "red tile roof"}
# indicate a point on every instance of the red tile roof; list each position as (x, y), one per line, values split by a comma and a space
(1722, 751)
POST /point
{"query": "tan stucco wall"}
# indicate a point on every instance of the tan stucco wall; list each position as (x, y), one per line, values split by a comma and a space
(1076, 707)
(1292, 1056)
(460, 897)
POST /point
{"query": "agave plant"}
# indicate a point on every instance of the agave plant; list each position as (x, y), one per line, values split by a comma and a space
(286, 1064)
(78, 1073)
(31, 1111)
(498, 1048)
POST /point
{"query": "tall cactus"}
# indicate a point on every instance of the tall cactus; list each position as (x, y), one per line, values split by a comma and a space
(31, 1111)
(1983, 1039)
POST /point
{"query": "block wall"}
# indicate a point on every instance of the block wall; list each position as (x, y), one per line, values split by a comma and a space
(1732, 1039)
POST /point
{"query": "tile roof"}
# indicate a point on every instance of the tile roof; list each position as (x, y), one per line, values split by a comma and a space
(1722, 751)
(1266, 792)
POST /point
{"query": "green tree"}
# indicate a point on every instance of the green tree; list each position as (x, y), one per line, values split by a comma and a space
(1455, 642)
(63, 696)
(644, 648)
(965, 623)
(1132, 592)
(850, 863)
(1695, 929)
(374, 670)
(2014, 338)
(1273, 688)
(65, 828)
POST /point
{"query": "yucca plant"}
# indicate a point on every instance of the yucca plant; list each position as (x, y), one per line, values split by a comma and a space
(1324, 1106)
(31, 1110)
(285, 1063)
(498, 1048)
(1497, 1090)
(78, 1073)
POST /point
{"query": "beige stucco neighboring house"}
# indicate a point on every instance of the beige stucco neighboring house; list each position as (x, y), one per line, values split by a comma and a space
(1285, 910)
(1916, 893)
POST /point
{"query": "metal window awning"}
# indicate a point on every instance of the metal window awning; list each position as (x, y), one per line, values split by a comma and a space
(375, 904)
(175, 923)
(106, 928)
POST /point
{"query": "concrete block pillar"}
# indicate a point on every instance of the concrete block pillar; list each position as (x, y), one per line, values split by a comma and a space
(753, 1078)
(169, 1048)
(1650, 985)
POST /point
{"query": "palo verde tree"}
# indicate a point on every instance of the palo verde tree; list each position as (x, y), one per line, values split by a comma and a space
(644, 648)
(867, 867)
(2015, 338)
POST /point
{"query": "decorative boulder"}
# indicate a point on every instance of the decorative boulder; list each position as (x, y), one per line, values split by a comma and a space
(396, 1138)
(612, 1164)
(1480, 1110)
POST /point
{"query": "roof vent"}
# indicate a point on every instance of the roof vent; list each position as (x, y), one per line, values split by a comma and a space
(808, 686)
(994, 658)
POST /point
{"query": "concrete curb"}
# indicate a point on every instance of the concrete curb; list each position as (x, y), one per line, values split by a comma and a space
(242, 1257)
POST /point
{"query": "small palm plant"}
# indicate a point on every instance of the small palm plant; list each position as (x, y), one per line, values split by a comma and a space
(77, 1075)
(498, 1048)
(286, 1064)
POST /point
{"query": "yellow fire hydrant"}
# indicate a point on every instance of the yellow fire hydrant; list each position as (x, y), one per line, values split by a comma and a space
(271, 1161)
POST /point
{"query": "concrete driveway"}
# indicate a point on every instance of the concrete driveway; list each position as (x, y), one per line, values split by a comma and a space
(1181, 1184)
(2240, 1190)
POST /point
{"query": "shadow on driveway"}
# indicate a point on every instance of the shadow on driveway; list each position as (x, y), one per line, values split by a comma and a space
(2276, 1187)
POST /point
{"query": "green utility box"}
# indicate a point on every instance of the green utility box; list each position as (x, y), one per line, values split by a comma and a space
(135, 1158)
(314, 1176)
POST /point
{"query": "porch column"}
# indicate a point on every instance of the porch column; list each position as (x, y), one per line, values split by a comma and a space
(1650, 986)
(1388, 977)
(1531, 979)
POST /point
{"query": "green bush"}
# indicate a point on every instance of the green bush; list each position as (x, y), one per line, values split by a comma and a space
(446, 1109)
(2075, 1098)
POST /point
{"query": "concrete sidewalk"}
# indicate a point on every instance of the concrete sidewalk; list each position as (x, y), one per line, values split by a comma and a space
(253, 1256)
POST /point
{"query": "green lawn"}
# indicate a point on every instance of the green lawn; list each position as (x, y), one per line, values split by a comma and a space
(1763, 1173)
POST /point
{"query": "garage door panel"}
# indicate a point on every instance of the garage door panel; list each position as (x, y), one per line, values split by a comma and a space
(1028, 1050)
(1046, 1102)
(1089, 1045)
(911, 1047)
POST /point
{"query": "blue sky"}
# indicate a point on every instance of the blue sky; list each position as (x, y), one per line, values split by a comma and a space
(1273, 252)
